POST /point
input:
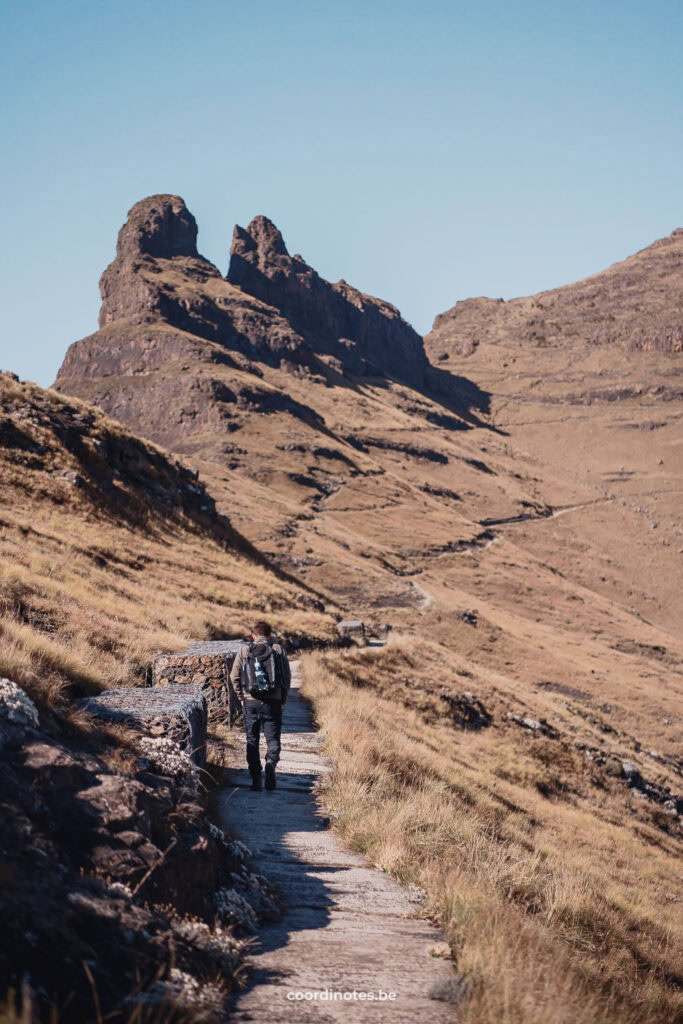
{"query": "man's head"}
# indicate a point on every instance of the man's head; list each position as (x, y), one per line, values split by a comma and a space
(261, 628)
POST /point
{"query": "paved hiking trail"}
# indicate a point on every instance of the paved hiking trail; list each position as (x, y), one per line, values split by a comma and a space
(345, 927)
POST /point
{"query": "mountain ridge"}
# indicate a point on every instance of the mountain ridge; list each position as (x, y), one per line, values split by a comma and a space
(636, 302)
(313, 444)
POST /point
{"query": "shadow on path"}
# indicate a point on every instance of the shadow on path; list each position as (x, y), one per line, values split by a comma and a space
(347, 927)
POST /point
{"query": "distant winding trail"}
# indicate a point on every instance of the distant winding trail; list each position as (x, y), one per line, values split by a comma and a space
(555, 513)
(347, 927)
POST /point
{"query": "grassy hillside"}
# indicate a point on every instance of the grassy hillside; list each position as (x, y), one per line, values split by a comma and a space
(558, 886)
(521, 566)
(110, 550)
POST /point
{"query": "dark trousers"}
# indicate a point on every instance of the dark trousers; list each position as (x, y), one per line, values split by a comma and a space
(266, 714)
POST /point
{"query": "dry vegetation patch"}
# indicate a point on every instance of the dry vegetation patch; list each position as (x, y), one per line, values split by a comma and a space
(110, 550)
(557, 905)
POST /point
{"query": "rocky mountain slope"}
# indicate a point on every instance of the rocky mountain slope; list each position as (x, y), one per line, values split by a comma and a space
(362, 334)
(110, 550)
(87, 512)
(377, 471)
(166, 309)
(589, 379)
(417, 501)
(636, 305)
(515, 512)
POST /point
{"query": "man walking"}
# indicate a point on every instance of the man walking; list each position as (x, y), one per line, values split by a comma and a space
(261, 678)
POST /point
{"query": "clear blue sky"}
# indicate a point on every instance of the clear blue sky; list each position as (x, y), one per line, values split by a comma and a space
(424, 151)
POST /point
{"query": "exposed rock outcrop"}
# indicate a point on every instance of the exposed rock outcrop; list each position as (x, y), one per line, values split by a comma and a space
(364, 333)
(160, 227)
(162, 300)
(181, 349)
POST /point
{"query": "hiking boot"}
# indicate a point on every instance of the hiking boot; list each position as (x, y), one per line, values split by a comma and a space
(270, 775)
(256, 783)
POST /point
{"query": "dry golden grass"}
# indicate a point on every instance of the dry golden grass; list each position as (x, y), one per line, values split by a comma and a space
(555, 892)
(88, 595)
(553, 883)
(555, 909)
(64, 618)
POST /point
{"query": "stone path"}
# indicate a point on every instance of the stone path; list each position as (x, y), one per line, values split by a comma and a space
(346, 927)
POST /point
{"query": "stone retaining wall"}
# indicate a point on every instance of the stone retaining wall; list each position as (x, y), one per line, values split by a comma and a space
(176, 712)
(206, 664)
(353, 628)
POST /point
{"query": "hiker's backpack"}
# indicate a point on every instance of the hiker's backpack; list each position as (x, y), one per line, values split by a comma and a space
(261, 671)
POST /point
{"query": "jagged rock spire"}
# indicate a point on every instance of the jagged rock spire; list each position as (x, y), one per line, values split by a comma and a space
(158, 280)
(364, 333)
(160, 226)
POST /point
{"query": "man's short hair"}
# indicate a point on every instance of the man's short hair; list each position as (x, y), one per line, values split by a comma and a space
(261, 628)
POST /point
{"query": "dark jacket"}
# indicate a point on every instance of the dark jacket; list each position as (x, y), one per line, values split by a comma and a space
(280, 693)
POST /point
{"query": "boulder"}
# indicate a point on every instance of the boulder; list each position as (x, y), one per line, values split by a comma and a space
(631, 773)
(379, 630)
(539, 727)
(18, 713)
(469, 616)
(467, 710)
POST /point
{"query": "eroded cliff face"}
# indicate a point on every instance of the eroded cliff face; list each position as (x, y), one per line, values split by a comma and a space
(181, 351)
(271, 307)
(162, 301)
(364, 333)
